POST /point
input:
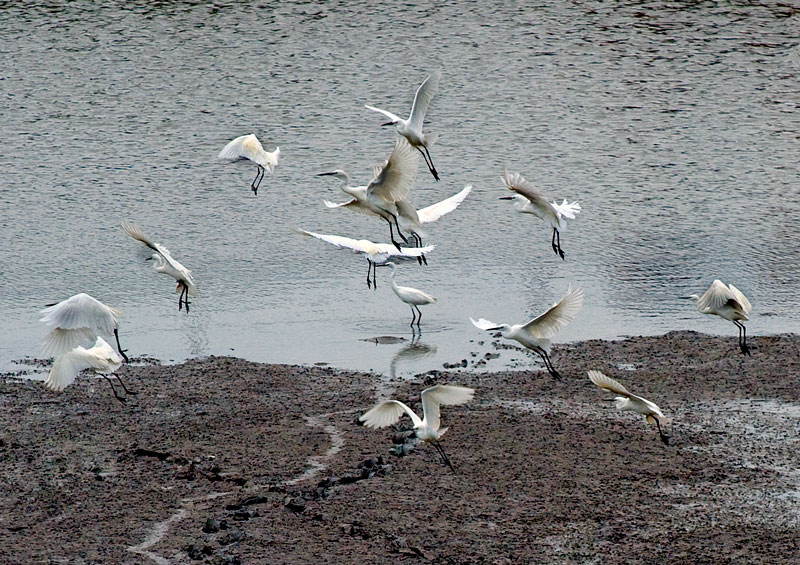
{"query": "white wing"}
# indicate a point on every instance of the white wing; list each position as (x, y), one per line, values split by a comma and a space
(81, 311)
(388, 413)
(741, 299)
(484, 324)
(719, 295)
(447, 395)
(59, 341)
(339, 241)
(398, 174)
(559, 315)
(136, 233)
(392, 117)
(422, 100)
(330, 204)
(567, 209)
(243, 147)
(436, 211)
(65, 368)
(607, 383)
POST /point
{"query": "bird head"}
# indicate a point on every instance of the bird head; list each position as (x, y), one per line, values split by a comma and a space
(339, 174)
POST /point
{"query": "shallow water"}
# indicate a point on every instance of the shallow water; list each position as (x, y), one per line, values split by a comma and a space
(675, 127)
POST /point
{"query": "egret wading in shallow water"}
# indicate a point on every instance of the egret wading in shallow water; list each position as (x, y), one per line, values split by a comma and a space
(729, 303)
(77, 321)
(165, 264)
(249, 147)
(411, 296)
(536, 334)
(101, 357)
(628, 401)
(376, 253)
(427, 429)
(411, 129)
(528, 201)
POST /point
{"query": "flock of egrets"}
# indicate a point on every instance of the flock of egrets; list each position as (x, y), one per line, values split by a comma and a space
(79, 322)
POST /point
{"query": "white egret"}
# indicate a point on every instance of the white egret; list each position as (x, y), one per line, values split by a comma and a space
(528, 201)
(411, 129)
(427, 429)
(729, 303)
(411, 296)
(628, 401)
(376, 253)
(165, 264)
(536, 334)
(77, 321)
(101, 357)
(249, 147)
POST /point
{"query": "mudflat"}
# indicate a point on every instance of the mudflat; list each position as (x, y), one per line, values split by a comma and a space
(220, 460)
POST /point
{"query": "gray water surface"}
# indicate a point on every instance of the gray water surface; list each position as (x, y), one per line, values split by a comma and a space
(676, 127)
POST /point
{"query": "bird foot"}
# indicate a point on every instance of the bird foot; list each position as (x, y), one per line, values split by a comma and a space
(556, 375)
(746, 350)
(561, 254)
(665, 439)
(424, 260)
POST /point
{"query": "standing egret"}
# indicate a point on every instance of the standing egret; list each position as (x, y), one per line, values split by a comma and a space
(165, 264)
(628, 401)
(528, 201)
(391, 184)
(249, 147)
(536, 334)
(101, 357)
(411, 296)
(377, 253)
(411, 129)
(389, 412)
(729, 303)
(77, 321)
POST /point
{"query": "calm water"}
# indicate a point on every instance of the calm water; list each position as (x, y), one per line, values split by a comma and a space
(676, 128)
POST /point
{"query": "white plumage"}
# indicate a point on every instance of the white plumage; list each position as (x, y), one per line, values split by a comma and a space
(630, 402)
(728, 303)
(536, 334)
(249, 147)
(428, 428)
(411, 296)
(529, 201)
(411, 129)
(100, 357)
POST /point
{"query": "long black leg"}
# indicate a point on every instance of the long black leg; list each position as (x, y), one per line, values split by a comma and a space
(664, 437)
(413, 316)
(127, 391)
(391, 234)
(404, 238)
(444, 456)
(558, 243)
(419, 318)
(418, 243)
(429, 162)
(549, 364)
(742, 338)
(553, 242)
(121, 351)
(369, 268)
(180, 299)
(117, 396)
(257, 181)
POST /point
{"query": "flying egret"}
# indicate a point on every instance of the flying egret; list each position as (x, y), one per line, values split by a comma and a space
(249, 147)
(165, 264)
(536, 334)
(411, 296)
(411, 129)
(77, 321)
(729, 303)
(376, 253)
(101, 357)
(628, 401)
(389, 412)
(528, 201)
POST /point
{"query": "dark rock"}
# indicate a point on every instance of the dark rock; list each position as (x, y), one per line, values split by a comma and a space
(211, 526)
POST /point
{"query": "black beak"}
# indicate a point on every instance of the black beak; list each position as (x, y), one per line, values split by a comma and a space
(387, 124)
(506, 198)
(325, 174)
(149, 259)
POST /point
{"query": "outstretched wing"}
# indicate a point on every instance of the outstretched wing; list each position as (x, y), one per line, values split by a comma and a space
(559, 315)
(448, 395)
(337, 240)
(741, 299)
(393, 118)
(136, 233)
(398, 174)
(81, 311)
(517, 183)
(422, 100)
(484, 324)
(719, 295)
(567, 209)
(436, 211)
(243, 147)
(59, 341)
(607, 383)
(387, 413)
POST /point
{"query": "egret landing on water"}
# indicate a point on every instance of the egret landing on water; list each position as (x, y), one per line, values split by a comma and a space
(77, 321)
(411, 296)
(389, 412)
(528, 201)
(165, 264)
(101, 357)
(536, 334)
(249, 147)
(411, 129)
(729, 303)
(377, 253)
(628, 401)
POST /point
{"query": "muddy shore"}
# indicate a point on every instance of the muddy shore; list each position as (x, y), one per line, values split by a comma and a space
(221, 460)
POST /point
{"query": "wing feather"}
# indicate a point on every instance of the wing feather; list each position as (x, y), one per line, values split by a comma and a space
(59, 341)
(81, 311)
(484, 324)
(607, 383)
(387, 413)
(398, 174)
(741, 299)
(392, 117)
(422, 100)
(559, 315)
(436, 211)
